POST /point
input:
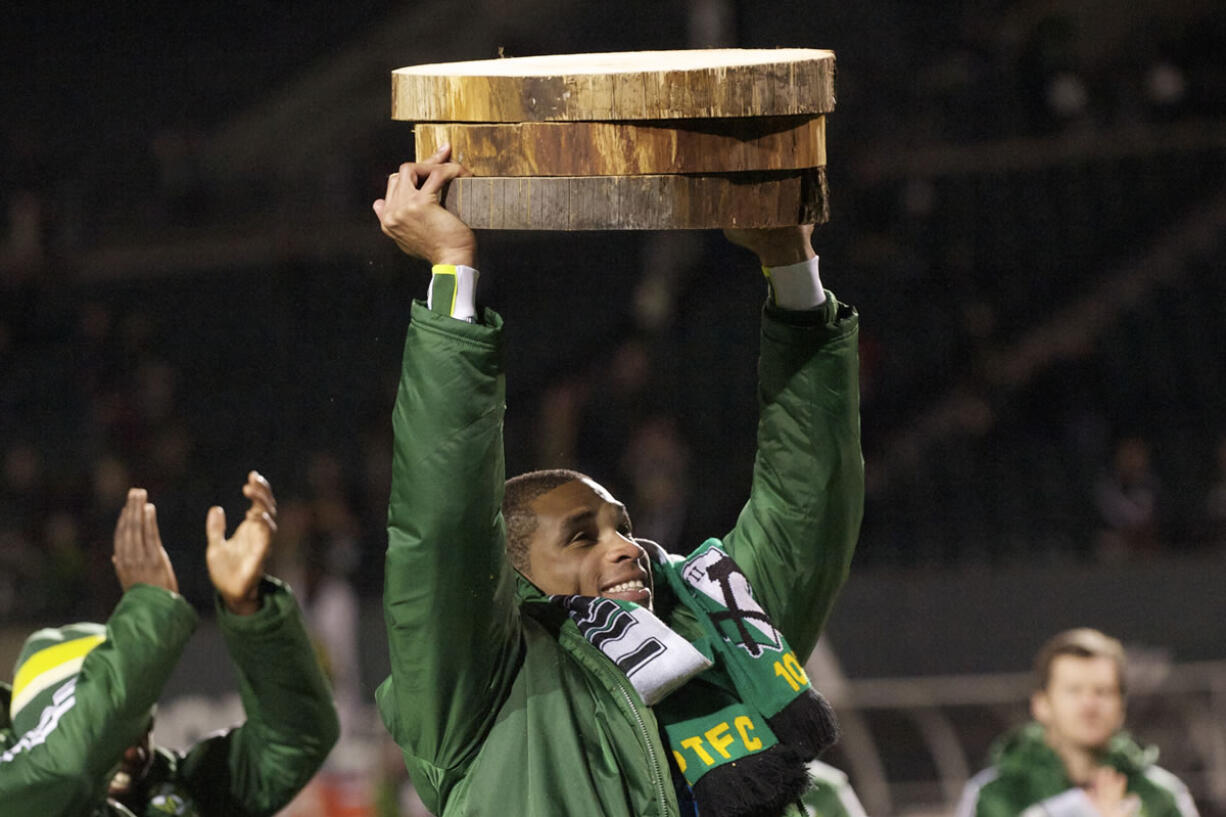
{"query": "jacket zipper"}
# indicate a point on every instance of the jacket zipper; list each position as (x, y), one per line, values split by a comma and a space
(651, 751)
(620, 682)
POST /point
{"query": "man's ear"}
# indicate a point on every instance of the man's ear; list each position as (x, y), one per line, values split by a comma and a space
(1040, 707)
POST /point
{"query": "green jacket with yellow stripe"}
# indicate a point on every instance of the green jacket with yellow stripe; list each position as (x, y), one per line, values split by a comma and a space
(62, 766)
(498, 703)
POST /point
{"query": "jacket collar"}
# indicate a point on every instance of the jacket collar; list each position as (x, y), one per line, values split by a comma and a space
(1026, 747)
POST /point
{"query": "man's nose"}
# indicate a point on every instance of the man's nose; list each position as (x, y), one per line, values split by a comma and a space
(622, 549)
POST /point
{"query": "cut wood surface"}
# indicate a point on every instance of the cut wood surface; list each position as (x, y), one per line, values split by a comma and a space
(657, 202)
(625, 149)
(633, 85)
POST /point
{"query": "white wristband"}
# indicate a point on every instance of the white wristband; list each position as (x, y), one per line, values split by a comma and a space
(458, 285)
(795, 286)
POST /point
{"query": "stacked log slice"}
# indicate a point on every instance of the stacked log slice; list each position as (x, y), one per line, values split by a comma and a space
(634, 140)
(631, 85)
(630, 148)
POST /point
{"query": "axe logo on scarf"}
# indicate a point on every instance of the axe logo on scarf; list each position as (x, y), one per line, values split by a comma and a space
(716, 575)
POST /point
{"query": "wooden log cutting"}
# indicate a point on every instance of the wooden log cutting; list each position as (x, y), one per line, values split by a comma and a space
(630, 148)
(635, 140)
(679, 202)
(632, 85)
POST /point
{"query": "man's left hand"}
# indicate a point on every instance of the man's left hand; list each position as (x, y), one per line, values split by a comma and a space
(236, 565)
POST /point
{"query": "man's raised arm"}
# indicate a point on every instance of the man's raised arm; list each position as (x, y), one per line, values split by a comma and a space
(291, 725)
(83, 694)
(795, 537)
(449, 600)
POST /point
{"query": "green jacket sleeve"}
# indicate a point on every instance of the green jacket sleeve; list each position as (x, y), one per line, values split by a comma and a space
(291, 723)
(62, 766)
(453, 624)
(795, 537)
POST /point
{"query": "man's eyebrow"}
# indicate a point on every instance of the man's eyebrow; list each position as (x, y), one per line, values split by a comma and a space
(577, 519)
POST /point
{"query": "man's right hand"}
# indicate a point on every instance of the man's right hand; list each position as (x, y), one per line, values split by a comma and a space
(776, 246)
(412, 215)
(237, 564)
(1108, 791)
(139, 557)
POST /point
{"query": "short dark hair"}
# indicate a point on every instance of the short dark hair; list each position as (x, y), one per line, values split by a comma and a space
(517, 497)
(1082, 642)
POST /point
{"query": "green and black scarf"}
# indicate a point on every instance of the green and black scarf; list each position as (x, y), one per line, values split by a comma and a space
(739, 712)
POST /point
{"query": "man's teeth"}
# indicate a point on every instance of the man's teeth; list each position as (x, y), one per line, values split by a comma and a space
(121, 781)
(626, 587)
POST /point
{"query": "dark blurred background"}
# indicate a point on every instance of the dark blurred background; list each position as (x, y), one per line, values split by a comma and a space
(1028, 208)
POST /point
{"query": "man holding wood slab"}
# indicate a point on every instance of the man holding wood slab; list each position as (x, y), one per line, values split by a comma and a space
(544, 661)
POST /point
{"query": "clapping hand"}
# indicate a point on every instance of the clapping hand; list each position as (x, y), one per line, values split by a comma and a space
(139, 557)
(236, 565)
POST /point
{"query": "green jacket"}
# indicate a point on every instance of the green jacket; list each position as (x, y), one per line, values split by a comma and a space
(63, 767)
(1027, 776)
(499, 704)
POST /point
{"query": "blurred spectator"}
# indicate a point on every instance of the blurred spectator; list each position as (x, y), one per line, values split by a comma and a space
(1074, 759)
(1127, 500)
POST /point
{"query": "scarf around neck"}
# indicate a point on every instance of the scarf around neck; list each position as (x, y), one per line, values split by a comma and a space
(738, 711)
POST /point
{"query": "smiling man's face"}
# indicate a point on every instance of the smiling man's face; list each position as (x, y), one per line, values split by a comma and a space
(582, 545)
